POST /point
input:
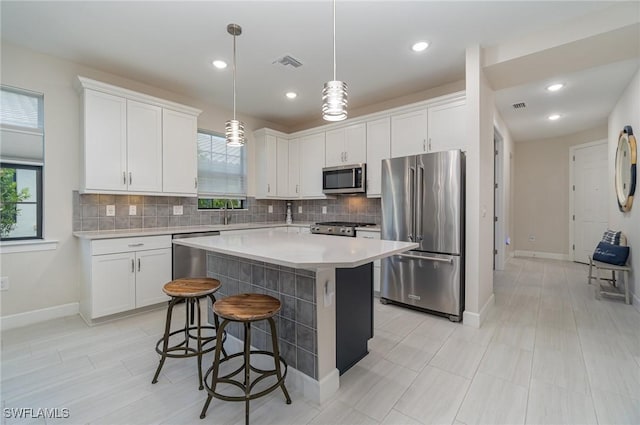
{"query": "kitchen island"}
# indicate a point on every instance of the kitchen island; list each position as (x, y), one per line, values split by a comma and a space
(300, 270)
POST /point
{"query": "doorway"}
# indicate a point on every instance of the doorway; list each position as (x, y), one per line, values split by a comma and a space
(498, 202)
(588, 198)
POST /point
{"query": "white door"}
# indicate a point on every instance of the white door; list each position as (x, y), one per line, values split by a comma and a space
(447, 127)
(409, 133)
(179, 152)
(282, 167)
(378, 148)
(153, 270)
(294, 168)
(355, 144)
(105, 141)
(334, 147)
(590, 198)
(311, 164)
(144, 147)
(113, 283)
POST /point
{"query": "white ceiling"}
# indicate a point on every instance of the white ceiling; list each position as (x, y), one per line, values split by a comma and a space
(171, 45)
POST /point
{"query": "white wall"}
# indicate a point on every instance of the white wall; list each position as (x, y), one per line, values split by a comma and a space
(505, 220)
(51, 278)
(626, 112)
(542, 192)
(479, 191)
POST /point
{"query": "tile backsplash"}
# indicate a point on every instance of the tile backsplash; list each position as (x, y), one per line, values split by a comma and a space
(90, 211)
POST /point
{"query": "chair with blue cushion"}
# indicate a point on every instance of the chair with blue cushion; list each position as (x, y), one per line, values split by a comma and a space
(611, 254)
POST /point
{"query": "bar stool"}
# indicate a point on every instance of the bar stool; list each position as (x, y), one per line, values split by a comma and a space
(191, 291)
(246, 309)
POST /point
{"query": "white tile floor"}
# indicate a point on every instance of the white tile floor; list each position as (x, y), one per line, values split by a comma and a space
(548, 354)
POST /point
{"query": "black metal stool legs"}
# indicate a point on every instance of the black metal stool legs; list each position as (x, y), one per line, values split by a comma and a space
(276, 358)
(216, 321)
(214, 368)
(165, 345)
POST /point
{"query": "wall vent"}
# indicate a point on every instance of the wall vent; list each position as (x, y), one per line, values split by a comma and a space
(519, 105)
(288, 60)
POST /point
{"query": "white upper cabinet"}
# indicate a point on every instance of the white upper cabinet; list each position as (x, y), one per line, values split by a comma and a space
(294, 169)
(409, 133)
(271, 152)
(447, 126)
(347, 145)
(378, 148)
(282, 167)
(179, 153)
(311, 165)
(105, 135)
(144, 147)
(134, 143)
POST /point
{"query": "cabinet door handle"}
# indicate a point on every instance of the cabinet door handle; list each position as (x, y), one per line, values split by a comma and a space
(133, 266)
(424, 144)
(130, 177)
(124, 177)
(297, 188)
(138, 264)
(136, 244)
(195, 183)
(429, 143)
(346, 156)
(268, 188)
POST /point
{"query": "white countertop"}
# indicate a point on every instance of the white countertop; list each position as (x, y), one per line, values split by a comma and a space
(127, 233)
(302, 251)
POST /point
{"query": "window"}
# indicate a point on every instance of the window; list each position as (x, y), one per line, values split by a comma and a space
(21, 162)
(222, 173)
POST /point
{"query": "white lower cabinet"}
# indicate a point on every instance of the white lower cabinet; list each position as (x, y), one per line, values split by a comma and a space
(368, 234)
(123, 274)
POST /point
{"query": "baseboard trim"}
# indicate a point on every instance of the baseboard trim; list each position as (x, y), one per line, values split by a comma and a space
(315, 391)
(539, 254)
(13, 321)
(475, 320)
(636, 301)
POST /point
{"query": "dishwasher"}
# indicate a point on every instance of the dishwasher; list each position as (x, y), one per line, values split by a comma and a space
(187, 261)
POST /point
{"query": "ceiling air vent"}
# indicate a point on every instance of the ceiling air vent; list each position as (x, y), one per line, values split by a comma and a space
(288, 60)
(519, 105)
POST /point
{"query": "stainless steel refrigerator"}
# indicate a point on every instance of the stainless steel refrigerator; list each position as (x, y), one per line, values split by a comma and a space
(423, 201)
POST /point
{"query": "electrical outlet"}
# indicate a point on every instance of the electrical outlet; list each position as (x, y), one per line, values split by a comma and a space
(324, 210)
(4, 283)
(270, 209)
(133, 210)
(111, 210)
(177, 210)
(300, 210)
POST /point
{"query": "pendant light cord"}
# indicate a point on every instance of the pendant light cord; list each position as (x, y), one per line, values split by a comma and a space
(334, 40)
(234, 76)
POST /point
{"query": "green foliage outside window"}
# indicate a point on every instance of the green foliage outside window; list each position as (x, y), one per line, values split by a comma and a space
(10, 198)
(212, 204)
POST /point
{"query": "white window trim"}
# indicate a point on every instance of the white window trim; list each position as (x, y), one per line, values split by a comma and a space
(29, 245)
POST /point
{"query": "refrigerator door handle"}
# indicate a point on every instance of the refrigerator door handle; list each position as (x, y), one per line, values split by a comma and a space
(412, 202)
(420, 200)
(420, 257)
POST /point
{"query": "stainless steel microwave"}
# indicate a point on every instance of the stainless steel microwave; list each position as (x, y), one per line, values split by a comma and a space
(344, 179)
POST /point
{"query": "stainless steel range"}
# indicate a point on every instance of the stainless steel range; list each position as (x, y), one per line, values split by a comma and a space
(338, 228)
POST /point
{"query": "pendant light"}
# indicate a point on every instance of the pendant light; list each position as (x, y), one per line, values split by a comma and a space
(334, 94)
(234, 129)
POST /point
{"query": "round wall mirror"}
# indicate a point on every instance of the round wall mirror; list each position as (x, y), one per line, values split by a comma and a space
(626, 168)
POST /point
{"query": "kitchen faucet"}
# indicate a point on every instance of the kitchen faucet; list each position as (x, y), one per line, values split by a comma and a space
(225, 213)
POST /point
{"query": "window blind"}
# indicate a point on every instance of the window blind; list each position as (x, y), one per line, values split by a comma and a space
(222, 169)
(21, 126)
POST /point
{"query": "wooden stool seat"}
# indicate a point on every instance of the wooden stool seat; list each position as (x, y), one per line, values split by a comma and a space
(247, 307)
(191, 287)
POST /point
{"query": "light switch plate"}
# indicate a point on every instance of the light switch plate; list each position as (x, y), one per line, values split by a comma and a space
(133, 210)
(270, 209)
(177, 210)
(324, 209)
(111, 210)
(4, 283)
(300, 210)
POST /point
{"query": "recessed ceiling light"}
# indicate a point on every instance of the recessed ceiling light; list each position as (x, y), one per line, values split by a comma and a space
(555, 87)
(553, 117)
(220, 64)
(291, 95)
(420, 46)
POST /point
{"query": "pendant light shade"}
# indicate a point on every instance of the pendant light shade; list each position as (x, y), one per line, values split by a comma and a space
(234, 129)
(334, 94)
